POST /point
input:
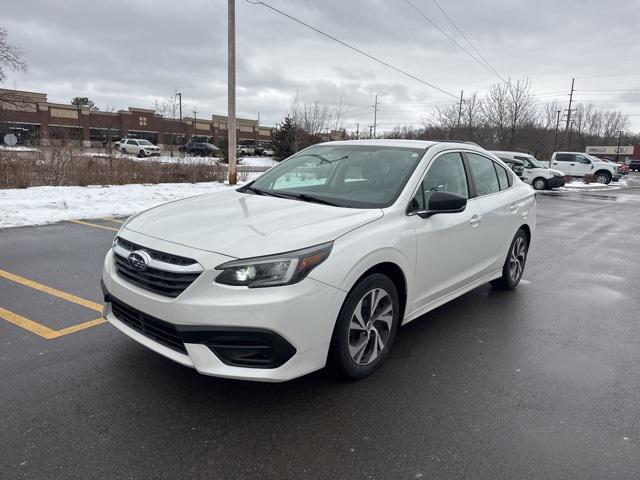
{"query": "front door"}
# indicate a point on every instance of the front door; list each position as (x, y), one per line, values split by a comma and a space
(447, 254)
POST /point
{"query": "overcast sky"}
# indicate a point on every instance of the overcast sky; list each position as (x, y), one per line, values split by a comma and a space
(128, 53)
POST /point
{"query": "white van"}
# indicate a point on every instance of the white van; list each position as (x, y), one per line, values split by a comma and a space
(535, 173)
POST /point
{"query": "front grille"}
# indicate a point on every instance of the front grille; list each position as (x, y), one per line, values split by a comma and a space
(162, 332)
(155, 254)
(162, 282)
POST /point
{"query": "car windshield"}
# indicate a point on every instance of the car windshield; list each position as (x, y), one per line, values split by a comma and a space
(596, 159)
(531, 162)
(357, 176)
(144, 142)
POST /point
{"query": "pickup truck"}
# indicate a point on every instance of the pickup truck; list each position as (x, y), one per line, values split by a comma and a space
(578, 164)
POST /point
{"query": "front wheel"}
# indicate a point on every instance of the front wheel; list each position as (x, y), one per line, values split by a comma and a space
(141, 154)
(603, 177)
(366, 327)
(513, 267)
(539, 184)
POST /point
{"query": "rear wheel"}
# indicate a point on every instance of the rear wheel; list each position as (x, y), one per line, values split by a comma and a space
(124, 150)
(366, 327)
(513, 267)
(539, 184)
(603, 177)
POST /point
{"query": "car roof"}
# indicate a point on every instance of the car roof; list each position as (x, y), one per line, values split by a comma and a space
(424, 144)
(507, 152)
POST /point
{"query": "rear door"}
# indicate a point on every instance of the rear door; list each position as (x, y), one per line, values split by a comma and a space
(565, 162)
(498, 203)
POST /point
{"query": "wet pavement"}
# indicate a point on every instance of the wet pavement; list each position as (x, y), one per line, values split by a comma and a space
(542, 382)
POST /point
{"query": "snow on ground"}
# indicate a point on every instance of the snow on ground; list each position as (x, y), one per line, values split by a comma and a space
(257, 161)
(41, 205)
(594, 187)
(17, 148)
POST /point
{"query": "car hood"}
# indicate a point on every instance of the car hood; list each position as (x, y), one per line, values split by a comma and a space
(244, 225)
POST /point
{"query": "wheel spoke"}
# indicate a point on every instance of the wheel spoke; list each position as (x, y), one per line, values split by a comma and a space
(357, 351)
(357, 315)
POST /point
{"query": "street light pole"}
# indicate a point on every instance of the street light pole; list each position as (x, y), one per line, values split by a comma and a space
(231, 94)
(618, 147)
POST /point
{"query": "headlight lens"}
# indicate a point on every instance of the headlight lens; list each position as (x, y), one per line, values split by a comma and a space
(282, 269)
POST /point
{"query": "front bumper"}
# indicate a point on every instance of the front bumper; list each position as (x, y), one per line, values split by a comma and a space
(152, 153)
(555, 182)
(293, 322)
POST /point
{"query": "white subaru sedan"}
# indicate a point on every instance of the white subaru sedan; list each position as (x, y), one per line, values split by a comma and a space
(320, 260)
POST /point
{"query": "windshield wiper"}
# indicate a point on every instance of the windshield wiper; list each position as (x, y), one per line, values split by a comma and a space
(307, 198)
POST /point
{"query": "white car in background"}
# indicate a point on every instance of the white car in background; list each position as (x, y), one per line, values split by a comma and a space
(139, 147)
(534, 172)
(577, 164)
(320, 259)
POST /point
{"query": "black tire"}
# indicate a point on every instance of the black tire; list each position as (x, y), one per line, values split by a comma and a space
(124, 151)
(340, 356)
(539, 184)
(603, 177)
(141, 154)
(510, 279)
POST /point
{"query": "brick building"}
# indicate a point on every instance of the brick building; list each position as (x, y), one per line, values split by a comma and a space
(33, 119)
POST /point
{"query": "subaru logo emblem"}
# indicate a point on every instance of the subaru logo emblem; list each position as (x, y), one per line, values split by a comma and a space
(139, 260)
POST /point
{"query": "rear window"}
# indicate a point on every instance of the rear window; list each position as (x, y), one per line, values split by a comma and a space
(484, 174)
(564, 157)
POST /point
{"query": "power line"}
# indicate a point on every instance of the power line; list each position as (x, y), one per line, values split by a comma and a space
(355, 49)
(467, 40)
(423, 15)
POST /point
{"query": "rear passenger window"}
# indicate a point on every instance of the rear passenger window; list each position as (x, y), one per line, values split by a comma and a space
(484, 174)
(503, 177)
(564, 157)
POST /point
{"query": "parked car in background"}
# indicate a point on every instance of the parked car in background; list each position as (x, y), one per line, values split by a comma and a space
(135, 146)
(320, 259)
(514, 164)
(578, 164)
(268, 152)
(203, 149)
(633, 164)
(534, 172)
(245, 150)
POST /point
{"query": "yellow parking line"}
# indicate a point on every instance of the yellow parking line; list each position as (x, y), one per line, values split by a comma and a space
(109, 219)
(95, 225)
(41, 330)
(80, 326)
(30, 325)
(51, 291)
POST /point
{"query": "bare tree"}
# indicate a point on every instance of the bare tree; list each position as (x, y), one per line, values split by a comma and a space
(169, 107)
(521, 107)
(11, 56)
(472, 115)
(496, 111)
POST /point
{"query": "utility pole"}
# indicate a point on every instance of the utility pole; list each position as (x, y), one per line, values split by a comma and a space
(231, 94)
(370, 130)
(375, 116)
(570, 103)
(618, 147)
(460, 109)
(357, 131)
(555, 137)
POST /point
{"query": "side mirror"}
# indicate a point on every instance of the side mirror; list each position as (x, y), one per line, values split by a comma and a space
(442, 202)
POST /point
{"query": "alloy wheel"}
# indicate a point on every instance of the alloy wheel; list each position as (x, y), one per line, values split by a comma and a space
(602, 178)
(517, 259)
(370, 326)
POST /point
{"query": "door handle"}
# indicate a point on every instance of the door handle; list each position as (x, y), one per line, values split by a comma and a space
(514, 207)
(475, 220)
(572, 164)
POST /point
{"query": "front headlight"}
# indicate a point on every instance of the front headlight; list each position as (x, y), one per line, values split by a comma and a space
(282, 269)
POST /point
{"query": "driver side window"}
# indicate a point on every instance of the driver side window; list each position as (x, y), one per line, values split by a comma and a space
(446, 174)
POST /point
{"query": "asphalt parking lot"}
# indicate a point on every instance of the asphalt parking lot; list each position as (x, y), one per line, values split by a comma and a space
(542, 382)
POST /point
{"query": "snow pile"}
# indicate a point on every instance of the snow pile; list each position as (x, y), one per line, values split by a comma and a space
(18, 148)
(41, 205)
(257, 161)
(595, 186)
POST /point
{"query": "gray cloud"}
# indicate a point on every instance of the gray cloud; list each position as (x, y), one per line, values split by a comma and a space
(123, 53)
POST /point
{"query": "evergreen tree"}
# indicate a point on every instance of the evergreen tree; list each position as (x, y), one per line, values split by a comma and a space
(284, 139)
